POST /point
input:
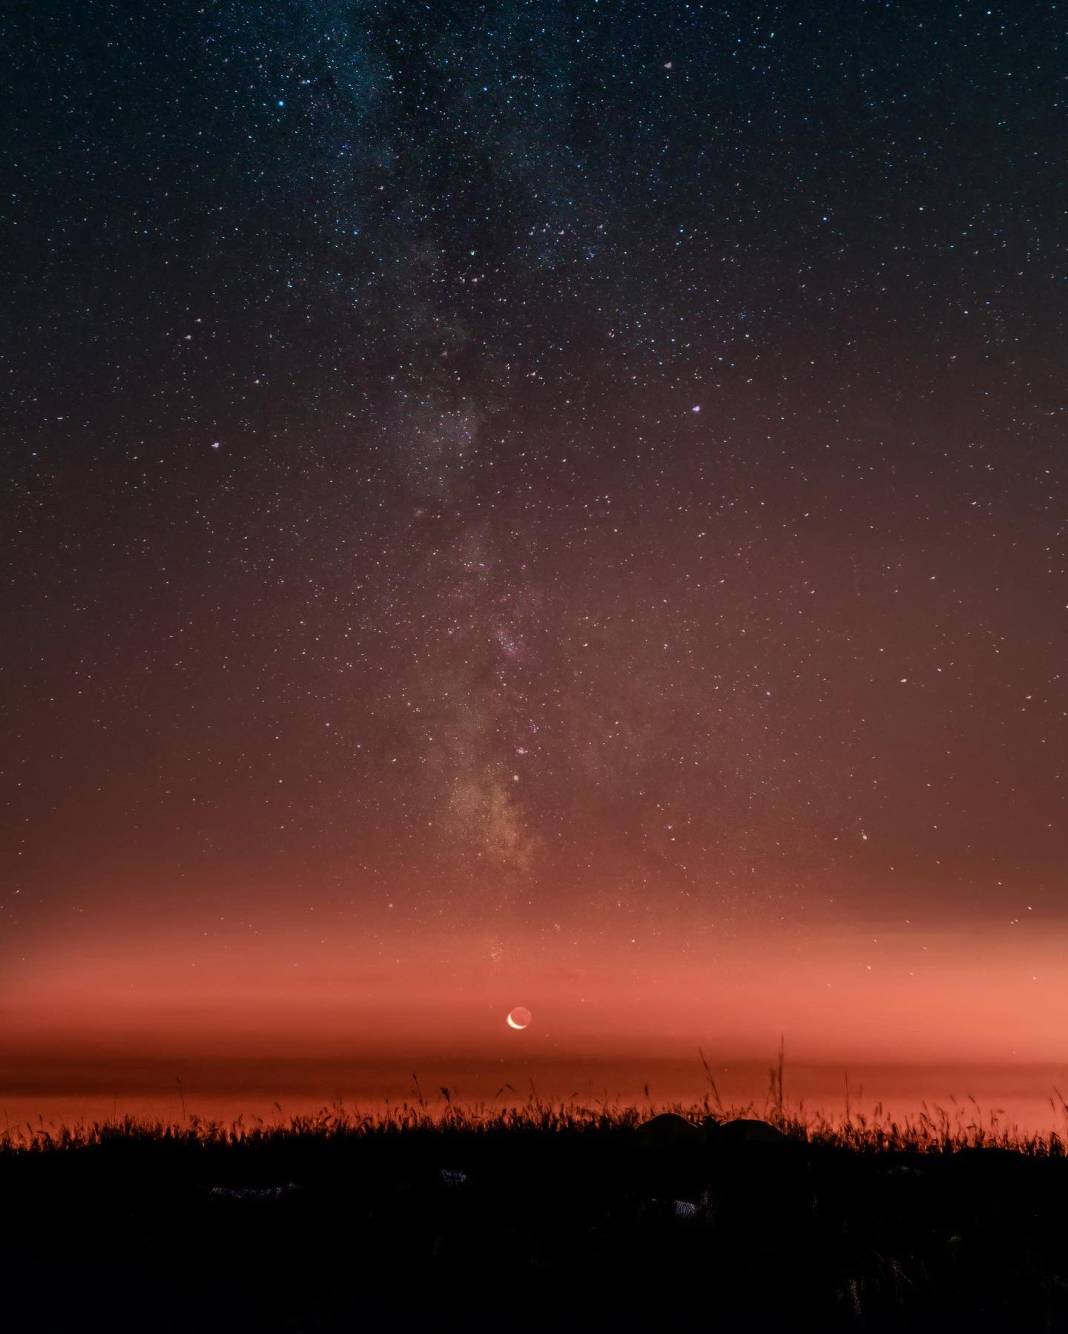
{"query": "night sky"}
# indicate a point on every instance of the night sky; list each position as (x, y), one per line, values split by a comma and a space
(535, 503)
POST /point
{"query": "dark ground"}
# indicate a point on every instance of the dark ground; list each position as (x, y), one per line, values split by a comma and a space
(522, 1228)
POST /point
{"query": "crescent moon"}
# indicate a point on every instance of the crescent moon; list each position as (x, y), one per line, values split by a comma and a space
(512, 1024)
(518, 1018)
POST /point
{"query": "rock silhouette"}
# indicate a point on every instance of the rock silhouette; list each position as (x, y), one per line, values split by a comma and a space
(668, 1128)
(743, 1130)
(754, 1177)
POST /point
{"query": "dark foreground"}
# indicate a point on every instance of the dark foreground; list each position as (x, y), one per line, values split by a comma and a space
(544, 1221)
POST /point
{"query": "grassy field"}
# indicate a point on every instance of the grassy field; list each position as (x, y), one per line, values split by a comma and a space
(536, 1216)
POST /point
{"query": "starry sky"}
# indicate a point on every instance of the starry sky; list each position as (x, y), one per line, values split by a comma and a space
(534, 502)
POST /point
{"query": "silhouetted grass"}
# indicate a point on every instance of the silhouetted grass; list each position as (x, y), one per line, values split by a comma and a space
(934, 1129)
(541, 1214)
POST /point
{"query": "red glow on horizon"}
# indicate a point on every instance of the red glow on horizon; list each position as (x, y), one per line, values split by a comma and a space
(837, 995)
